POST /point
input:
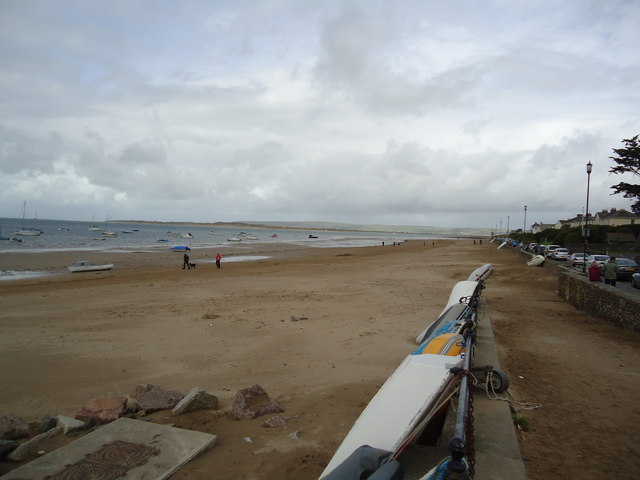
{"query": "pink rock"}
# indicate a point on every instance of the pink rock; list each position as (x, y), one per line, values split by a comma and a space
(152, 398)
(103, 410)
(253, 402)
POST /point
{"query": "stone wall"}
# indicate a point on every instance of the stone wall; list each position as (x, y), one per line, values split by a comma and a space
(599, 300)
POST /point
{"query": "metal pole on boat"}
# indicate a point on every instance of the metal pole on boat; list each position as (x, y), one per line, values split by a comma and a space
(456, 468)
(463, 396)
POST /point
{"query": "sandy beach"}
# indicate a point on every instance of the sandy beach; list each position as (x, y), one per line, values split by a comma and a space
(320, 330)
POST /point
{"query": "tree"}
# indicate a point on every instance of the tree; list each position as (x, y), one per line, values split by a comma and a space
(628, 161)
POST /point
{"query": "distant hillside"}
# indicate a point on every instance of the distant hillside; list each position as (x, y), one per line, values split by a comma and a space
(455, 231)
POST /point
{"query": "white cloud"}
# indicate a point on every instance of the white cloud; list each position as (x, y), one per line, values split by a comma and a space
(411, 112)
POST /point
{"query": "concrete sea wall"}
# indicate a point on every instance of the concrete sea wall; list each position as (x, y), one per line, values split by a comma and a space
(602, 301)
(599, 300)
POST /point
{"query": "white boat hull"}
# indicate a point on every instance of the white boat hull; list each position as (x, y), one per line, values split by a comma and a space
(535, 261)
(460, 290)
(481, 273)
(85, 266)
(398, 406)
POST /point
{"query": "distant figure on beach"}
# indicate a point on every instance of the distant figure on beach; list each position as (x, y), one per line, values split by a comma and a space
(186, 262)
(594, 273)
(611, 272)
(218, 258)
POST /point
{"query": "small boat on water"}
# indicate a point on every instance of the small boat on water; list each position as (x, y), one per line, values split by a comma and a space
(27, 231)
(109, 234)
(95, 228)
(275, 235)
(251, 237)
(63, 229)
(313, 236)
(128, 231)
(211, 232)
(10, 239)
(234, 239)
(180, 248)
(186, 235)
(161, 240)
(87, 266)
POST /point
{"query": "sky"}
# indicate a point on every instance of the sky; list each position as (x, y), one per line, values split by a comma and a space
(447, 114)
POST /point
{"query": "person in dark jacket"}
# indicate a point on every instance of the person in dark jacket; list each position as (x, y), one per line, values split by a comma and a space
(186, 262)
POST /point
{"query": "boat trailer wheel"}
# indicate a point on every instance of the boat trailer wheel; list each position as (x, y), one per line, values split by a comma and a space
(499, 379)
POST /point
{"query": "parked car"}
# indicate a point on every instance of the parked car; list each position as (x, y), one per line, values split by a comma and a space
(532, 247)
(560, 254)
(576, 259)
(599, 259)
(635, 280)
(549, 249)
(626, 268)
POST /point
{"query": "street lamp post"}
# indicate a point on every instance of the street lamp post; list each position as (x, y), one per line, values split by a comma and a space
(586, 219)
(524, 226)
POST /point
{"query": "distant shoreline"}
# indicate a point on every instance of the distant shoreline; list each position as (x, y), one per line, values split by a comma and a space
(259, 226)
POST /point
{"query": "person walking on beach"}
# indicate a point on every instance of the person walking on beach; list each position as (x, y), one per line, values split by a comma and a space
(218, 258)
(594, 272)
(186, 263)
(611, 272)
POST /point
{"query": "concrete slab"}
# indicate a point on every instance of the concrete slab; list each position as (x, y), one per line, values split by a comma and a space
(496, 444)
(125, 449)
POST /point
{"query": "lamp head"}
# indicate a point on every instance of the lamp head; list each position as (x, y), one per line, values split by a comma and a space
(589, 166)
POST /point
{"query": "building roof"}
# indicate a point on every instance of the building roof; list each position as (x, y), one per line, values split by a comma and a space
(616, 213)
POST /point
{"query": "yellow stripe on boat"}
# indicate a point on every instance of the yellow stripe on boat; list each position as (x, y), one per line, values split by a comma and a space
(451, 344)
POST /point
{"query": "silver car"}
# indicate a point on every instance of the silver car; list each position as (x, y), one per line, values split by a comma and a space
(549, 249)
(599, 259)
(576, 259)
(560, 254)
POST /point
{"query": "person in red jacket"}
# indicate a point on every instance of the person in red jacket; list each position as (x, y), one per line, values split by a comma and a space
(594, 272)
(218, 258)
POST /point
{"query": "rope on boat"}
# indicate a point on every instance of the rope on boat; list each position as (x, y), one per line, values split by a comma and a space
(507, 397)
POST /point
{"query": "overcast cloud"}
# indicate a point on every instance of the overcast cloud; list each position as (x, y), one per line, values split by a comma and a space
(451, 113)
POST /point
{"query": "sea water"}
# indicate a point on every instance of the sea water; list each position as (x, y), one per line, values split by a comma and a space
(59, 235)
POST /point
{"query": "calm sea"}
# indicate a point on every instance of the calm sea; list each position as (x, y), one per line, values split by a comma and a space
(67, 235)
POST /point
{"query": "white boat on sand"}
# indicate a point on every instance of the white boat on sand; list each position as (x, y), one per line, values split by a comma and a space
(87, 266)
(413, 404)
